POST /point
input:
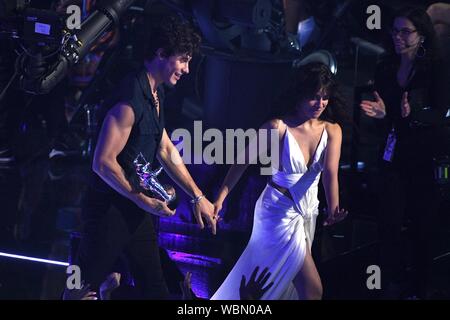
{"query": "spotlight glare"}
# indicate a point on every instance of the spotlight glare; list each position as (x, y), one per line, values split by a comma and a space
(20, 257)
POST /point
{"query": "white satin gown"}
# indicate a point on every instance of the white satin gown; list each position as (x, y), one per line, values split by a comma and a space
(282, 228)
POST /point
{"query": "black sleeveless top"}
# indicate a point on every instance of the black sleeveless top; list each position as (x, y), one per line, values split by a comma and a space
(147, 129)
(428, 96)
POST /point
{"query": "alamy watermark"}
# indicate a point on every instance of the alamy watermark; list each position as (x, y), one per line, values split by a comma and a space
(228, 148)
(74, 279)
(374, 20)
(74, 20)
(374, 280)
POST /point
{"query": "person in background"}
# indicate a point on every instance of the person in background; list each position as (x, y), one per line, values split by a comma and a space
(409, 103)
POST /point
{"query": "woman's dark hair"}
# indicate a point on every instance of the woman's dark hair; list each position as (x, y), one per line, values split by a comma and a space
(173, 35)
(424, 26)
(304, 83)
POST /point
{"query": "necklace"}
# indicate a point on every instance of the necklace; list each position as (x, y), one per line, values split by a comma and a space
(155, 99)
(154, 94)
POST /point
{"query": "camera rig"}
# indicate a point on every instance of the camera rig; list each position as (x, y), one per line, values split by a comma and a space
(43, 37)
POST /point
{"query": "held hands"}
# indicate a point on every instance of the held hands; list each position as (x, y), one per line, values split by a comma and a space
(375, 109)
(334, 217)
(205, 209)
(217, 207)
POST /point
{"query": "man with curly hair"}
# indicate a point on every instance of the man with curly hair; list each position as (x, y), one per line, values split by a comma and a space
(116, 217)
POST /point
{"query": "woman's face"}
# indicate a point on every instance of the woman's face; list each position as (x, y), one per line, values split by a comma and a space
(405, 36)
(313, 107)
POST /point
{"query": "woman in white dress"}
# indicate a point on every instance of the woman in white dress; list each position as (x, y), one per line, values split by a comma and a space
(286, 211)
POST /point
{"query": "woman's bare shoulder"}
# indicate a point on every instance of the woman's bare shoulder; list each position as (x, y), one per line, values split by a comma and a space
(275, 124)
(272, 124)
(333, 129)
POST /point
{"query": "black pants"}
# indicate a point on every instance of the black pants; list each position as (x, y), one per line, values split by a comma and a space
(114, 226)
(407, 194)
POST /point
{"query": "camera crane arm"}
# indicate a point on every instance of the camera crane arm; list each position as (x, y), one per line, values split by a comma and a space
(78, 45)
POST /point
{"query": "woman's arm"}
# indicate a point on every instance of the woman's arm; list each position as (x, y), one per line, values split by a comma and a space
(331, 166)
(330, 174)
(236, 170)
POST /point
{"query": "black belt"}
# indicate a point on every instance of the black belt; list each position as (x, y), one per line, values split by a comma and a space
(284, 191)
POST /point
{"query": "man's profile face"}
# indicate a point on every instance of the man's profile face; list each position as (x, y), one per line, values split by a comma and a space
(174, 67)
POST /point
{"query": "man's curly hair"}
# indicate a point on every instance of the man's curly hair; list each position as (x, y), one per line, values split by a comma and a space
(174, 36)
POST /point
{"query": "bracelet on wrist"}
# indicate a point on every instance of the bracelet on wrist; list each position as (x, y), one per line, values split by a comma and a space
(197, 199)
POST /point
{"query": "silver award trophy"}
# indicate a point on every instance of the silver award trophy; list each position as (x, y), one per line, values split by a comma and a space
(149, 181)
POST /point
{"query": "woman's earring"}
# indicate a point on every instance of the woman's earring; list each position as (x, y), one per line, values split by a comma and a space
(421, 49)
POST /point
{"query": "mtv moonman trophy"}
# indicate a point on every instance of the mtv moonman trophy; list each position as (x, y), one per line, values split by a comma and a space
(149, 181)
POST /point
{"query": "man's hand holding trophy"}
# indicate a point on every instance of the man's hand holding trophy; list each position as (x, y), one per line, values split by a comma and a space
(149, 181)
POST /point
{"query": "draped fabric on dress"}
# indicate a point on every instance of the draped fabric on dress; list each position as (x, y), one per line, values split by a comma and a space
(282, 228)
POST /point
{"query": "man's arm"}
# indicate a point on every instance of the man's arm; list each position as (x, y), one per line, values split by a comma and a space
(172, 162)
(113, 136)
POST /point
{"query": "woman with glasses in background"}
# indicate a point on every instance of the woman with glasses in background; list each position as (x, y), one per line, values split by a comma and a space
(410, 100)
